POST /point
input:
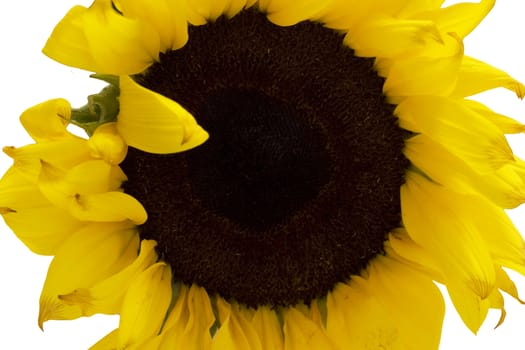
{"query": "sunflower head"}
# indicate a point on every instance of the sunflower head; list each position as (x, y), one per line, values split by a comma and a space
(271, 175)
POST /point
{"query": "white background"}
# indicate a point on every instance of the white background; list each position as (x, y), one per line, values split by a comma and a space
(28, 77)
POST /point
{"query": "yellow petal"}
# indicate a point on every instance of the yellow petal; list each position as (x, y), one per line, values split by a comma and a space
(430, 214)
(418, 330)
(434, 72)
(42, 229)
(40, 225)
(506, 124)
(94, 176)
(356, 320)
(154, 123)
(107, 144)
(266, 324)
(109, 342)
(475, 76)
(471, 308)
(106, 296)
(47, 121)
(387, 37)
(504, 241)
(100, 39)
(302, 333)
(90, 255)
(235, 332)
(145, 305)
(189, 322)
(503, 187)
(208, 10)
(167, 17)
(504, 283)
(290, 12)
(63, 153)
(460, 18)
(108, 207)
(405, 249)
(465, 134)
(237, 6)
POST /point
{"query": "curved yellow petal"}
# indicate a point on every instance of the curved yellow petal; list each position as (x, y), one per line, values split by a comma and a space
(405, 249)
(235, 332)
(145, 305)
(290, 12)
(154, 123)
(434, 72)
(189, 322)
(64, 153)
(61, 187)
(168, 17)
(356, 320)
(504, 283)
(503, 187)
(109, 341)
(460, 18)
(106, 296)
(100, 39)
(301, 332)
(266, 324)
(210, 9)
(47, 121)
(42, 229)
(475, 76)
(464, 133)
(470, 306)
(441, 222)
(418, 330)
(96, 252)
(387, 37)
(41, 226)
(506, 124)
(107, 144)
(108, 207)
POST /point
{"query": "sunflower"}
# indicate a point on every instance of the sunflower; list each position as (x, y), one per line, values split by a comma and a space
(271, 174)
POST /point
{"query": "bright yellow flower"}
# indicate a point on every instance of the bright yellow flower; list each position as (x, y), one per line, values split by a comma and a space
(346, 170)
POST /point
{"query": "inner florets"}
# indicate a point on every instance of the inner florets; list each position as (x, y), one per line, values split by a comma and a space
(298, 185)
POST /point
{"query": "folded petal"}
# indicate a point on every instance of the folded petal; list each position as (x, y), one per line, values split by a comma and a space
(167, 17)
(387, 37)
(101, 40)
(300, 332)
(108, 207)
(434, 72)
(106, 296)
(235, 332)
(96, 252)
(506, 124)
(441, 222)
(266, 324)
(189, 322)
(107, 144)
(40, 225)
(457, 128)
(475, 76)
(154, 123)
(290, 12)
(63, 153)
(503, 187)
(356, 320)
(459, 18)
(404, 304)
(47, 121)
(145, 305)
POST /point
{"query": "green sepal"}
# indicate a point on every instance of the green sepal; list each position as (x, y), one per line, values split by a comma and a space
(101, 108)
